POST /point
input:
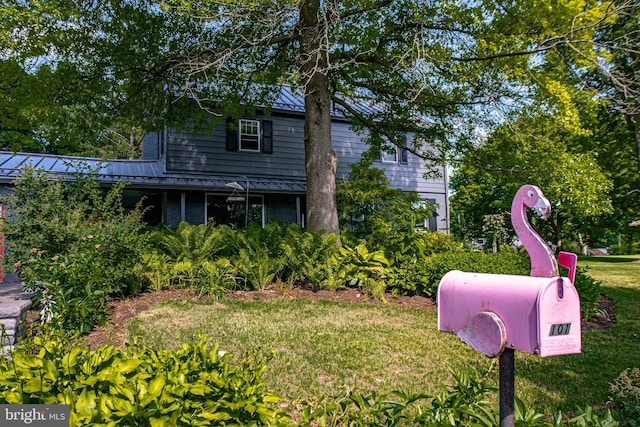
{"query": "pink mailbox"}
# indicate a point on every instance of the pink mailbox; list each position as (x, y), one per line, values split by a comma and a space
(490, 312)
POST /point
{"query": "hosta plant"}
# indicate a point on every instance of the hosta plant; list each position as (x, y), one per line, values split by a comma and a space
(194, 385)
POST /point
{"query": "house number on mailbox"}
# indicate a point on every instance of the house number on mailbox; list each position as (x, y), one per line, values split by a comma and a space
(560, 329)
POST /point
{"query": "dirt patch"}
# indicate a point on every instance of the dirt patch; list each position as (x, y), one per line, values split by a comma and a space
(604, 318)
(123, 310)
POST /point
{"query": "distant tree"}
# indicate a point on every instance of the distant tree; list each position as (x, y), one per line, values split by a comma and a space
(619, 45)
(533, 150)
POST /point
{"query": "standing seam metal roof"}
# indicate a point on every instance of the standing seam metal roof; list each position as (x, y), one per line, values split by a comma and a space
(140, 173)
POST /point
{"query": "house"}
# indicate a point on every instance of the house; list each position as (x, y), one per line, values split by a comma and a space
(251, 171)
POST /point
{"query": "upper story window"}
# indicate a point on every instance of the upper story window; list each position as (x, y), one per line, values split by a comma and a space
(249, 134)
(390, 156)
(394, 155)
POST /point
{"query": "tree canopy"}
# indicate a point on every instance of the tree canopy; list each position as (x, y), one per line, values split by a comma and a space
(542, 151)
(432, 69)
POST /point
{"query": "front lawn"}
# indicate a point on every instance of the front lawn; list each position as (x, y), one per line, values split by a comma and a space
(322, 347)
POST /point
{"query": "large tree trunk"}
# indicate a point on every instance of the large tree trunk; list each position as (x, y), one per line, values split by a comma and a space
(321, 160)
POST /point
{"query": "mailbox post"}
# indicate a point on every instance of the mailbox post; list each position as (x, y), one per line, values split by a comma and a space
(497, 314)
(507, 366)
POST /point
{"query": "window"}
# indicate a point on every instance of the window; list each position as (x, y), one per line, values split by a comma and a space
(393, 155)
(230, 209)
(390, 156)
(249, 134)
(430, 223)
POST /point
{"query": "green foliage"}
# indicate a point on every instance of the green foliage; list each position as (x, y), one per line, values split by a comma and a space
(194, 385)
(373, 212)
(411, 263)
(533, 149)
(217, 278)
(68, 290)
(73, 244)
(195, 243)
(463, 404)
(190, 256)
(589, 290)
(256, 265)
(306, 253)
(436, 266)
(631, 248)
(625, 396)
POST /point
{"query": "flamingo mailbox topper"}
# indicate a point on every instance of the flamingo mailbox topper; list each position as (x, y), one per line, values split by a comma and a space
(538, 314)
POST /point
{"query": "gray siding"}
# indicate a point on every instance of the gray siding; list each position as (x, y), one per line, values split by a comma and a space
(151, 147)
(208, 154)
(408, 177)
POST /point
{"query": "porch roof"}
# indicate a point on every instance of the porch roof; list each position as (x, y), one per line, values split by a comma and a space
(139, 173)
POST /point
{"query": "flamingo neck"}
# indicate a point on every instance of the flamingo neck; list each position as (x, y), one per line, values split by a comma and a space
(543, 262)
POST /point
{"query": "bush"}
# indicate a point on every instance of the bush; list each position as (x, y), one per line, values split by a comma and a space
(589, 290)
(628, 249)
(424, 277)
(194, 385)
(73, 244)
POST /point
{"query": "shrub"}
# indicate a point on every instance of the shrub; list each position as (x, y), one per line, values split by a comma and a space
(589, 290)
(69, 292)
(309, 256)
(374, 213)
(193, 243)
(194, 385)
(217, 278)
(627, 249)
(73, 243)
(423, 277)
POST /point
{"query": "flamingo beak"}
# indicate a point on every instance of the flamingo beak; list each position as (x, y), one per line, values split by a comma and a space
(543, 208)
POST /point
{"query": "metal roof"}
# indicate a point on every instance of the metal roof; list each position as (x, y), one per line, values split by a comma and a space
(292, 100)
(140, 173)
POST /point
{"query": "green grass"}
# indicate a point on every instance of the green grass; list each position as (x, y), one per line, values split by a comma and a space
(322, 347)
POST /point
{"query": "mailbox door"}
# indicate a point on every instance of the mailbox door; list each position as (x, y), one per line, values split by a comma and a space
(559, 319)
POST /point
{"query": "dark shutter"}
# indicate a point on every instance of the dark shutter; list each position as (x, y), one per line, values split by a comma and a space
(403, 156)
(232, 134)
(404, 152)
(267, 136)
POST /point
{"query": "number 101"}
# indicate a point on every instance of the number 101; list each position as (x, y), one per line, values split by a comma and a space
(560, 329)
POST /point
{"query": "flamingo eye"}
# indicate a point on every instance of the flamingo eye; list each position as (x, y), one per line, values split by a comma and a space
(530, 193)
